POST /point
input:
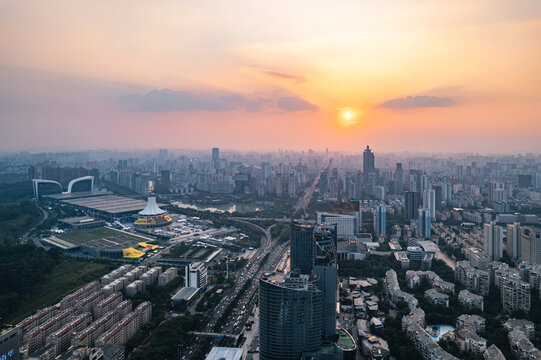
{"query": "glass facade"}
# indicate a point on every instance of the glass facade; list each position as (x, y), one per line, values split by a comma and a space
(290, 317)
(302, 248)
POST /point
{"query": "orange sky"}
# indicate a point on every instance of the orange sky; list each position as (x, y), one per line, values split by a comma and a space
(418, 75)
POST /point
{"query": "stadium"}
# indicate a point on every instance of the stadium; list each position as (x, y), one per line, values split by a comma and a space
(152, 216)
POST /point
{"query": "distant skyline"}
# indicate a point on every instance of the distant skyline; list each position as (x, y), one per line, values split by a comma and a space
(400, 75)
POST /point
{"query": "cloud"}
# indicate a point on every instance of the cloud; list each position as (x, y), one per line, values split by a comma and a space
(170, 100)
(179, 100)
(414, 102)
(294, 103)
(280, 75)
(257, 105)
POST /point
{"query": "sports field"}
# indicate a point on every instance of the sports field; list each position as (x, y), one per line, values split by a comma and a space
(78, 237)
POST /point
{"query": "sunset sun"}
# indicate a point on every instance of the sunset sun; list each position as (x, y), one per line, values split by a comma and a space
(349, 117)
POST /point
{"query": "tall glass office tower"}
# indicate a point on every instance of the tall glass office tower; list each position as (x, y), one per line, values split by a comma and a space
(302, 247)
(290, 316)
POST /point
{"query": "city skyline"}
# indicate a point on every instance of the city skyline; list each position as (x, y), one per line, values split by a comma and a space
(416, 76)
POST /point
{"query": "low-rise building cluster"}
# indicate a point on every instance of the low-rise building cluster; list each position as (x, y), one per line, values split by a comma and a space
(425, 344)
(466, 334)
(167, 276)
(434, 297)
(470, 300)
(415, 278)
(128, 326)
(522, 347)
(83, 317)
(395, 294)
(472, 279)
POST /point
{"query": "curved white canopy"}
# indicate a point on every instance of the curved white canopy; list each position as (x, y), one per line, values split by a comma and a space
(151, 208)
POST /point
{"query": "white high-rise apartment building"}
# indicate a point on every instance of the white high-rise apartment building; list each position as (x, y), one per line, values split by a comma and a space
(429, 202)
(513, 247)
(493, 241)
(530, 243)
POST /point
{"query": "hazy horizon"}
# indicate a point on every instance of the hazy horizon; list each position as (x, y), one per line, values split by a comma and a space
(379, 152)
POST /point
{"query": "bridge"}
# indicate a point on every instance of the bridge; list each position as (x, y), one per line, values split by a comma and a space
(215, 335)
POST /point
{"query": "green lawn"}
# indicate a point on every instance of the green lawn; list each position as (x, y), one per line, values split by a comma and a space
(10, 230)
(65, 278)
(81, 236)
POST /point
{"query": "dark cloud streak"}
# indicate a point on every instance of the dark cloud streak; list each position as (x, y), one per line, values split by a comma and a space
(169, 100)
(293, 103)
(415, 102)
(284, 76)
(178, 100)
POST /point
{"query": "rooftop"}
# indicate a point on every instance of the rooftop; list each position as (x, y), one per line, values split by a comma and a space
(185, 293)
(75, 195)
(79, 220)
(401, 256)
(345, 341)
(225, 353)
(109, 203)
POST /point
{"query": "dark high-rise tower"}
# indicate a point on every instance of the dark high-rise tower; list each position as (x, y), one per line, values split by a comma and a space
(302, 248)
(368, 161)
(215, 157)
(439, 196)
(411, 205)
(325, 238)
(369, 171)
(399, 179)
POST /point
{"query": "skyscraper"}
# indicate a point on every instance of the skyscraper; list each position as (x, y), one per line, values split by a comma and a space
(424, 223)
(429, 202)
(325, 238)
(368, 161)
(531, 244)
(290, 316)
(513, 245)
(438, 189)
(423, 184)
(411, 204)
(380, 222)
(215, 157)
(493, 241)
(399, 179)
(369, 172)
(302, 247)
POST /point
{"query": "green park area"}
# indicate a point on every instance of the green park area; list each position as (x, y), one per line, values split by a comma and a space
(34, 278)
(15, 220)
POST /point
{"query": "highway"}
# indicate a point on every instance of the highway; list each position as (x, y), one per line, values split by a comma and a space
(248, 272)
(243, 308)
(246, 303)
(305, 200)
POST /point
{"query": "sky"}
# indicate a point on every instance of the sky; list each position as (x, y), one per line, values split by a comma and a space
(399, 75)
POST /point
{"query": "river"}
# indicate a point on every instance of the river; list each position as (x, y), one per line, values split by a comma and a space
(221, 208)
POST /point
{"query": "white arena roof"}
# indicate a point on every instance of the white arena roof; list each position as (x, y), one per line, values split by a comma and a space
(112, 204)
(151, 209)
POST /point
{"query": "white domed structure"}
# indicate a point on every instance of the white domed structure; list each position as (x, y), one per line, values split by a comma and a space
(152, 216)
